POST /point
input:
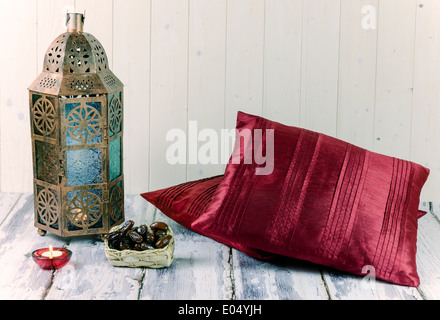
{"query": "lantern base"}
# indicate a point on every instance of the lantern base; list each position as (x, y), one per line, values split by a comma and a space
(41, 232)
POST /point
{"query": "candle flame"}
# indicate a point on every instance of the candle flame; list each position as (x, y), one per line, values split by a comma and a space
(50, 252)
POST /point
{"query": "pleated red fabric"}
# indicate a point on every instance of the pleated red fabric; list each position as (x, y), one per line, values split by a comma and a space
(326, 201)
(185, 202)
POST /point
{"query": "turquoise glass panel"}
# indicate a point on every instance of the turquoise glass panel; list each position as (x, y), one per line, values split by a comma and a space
(83, 123)
(115, 159)
(84, 167)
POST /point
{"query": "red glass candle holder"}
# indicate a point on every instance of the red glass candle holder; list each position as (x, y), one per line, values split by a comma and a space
(49, 259)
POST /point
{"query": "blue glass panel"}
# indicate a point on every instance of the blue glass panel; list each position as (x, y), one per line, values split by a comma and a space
(115, 159)
(84, 167)
(83, 123)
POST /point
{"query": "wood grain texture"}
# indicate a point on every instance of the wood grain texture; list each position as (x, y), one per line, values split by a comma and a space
(89, 275)
(169, 87)
(202, 268)
(357, 74)
(206, 83)
(283, 279)
(21, 278)
(319, 70)
(425, 109)
(282, 61)
(307, 63)
(7, 202)
(131, 52)
(343, 286)
(394, 79)
(428, 253)
(244, 59)
(18, 68)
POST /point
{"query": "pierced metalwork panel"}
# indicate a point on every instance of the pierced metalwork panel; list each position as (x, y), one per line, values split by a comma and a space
(84, 123)
(116, 202)
(53, 60)
(44, 115)
(115, 114)
(85, 209)
(47, 207)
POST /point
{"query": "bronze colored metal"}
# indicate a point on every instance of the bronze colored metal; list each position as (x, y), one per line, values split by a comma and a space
(76, 112)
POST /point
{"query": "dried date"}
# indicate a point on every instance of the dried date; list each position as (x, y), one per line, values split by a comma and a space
(114, 236)
(163, 242)
(142, 229)
(140, 238)
(159, 225)
(134, 236)
(127, 226)
(150, 236)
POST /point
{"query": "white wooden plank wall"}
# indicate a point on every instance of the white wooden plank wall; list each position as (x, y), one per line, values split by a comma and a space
(366, 71)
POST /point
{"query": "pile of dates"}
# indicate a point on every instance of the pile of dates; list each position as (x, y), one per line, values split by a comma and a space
(131, 237)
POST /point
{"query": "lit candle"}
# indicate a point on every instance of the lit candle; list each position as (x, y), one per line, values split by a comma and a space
(52, 254)
(51, 258)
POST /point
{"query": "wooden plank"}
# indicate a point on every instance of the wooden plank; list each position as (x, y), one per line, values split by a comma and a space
(244, 59)
(425, 109)
(169, 87)
(21, 278)
(428, 253)
(357, 72)
(434, 208)
(89, 275)
(394, 80)
(18, 69)
(319, 70)
(283, 279)
(206, 82)
(7, 202)
(200, 269)
(196, 260)
(282, 61)
(132, 66)
(344, 286)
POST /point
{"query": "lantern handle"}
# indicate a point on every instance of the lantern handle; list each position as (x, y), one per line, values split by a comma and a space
(75, 24)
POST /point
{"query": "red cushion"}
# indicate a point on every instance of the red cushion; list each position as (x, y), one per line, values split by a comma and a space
(326, 201)
(185, 202)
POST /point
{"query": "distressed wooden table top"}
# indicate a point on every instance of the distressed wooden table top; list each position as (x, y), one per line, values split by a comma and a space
(202, 268)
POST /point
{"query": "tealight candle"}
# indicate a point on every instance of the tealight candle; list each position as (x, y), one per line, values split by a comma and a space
(51, 258)
(52, 254)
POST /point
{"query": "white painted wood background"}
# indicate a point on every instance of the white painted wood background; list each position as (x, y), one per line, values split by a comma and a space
(301, 62)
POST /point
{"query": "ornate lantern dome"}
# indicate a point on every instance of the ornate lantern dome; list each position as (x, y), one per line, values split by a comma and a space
(76, 62)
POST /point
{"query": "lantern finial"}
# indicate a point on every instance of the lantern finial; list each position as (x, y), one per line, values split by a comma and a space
(75, 22)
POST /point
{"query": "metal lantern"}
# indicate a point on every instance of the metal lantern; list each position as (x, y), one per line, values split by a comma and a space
(76, 106)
